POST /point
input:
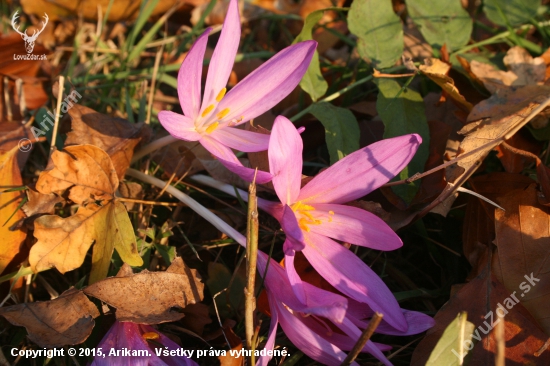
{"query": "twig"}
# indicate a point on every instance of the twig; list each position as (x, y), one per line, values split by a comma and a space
(57, 110)
(363, 339)
(501, 344)
(251, 256)
(155, 203)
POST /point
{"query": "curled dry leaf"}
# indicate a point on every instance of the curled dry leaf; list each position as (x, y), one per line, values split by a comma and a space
(67, 320)
(63, 242)
(9, 202)
(150, 297)
(437, 71)
(39, 203)
(116, 136)
(495, 118)
(523, 70)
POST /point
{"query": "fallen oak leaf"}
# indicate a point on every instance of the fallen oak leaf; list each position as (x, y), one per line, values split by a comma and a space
(67, 320)
(150, 297)
(63, 242)
(116, 136)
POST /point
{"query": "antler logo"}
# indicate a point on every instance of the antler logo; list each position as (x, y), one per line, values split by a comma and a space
(29, 40)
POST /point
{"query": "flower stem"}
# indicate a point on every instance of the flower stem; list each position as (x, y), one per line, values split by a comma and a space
(251, 256)
(367, 333)
(192, 204)
(155, 145)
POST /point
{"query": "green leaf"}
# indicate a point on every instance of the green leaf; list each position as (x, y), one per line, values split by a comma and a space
(167, 252)
(453, 338)
(341, 129)
(313, 82)
(510, 12)
(442, 22)
(402, 112)
(379, 31)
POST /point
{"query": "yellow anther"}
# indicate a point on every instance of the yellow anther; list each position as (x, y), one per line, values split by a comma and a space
(150, 335)
(308, 215)
(329, 219)
(221, 94)
(212, 127)
(223, 113)
(207, 110)
(299, 206)
(331, 212)
(302, 223)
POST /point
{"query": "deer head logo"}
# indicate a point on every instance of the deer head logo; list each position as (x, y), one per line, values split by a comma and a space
(29, 40)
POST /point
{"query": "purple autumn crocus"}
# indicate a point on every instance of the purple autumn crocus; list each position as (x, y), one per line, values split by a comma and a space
(328, 323)
(212, 122)
(314, 215)
(146, 345)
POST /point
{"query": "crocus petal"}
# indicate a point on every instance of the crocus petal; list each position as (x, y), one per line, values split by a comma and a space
(319, 302)
(227, 157)
(270, 343)
(266, 86)
(306, 340)
(362, 171)
(351, 276)
(418, 323)
(189, 77)
(294, 278)
(241, 140)
(285, 160)
(129, 336)
(346, 341)
(294, 235)
(355, 226)
(223, 57)
(179, 126)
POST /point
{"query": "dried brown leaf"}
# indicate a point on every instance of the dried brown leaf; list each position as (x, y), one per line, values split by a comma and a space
(39, 203)
(86, 169)
(116, 136)
(522, 239)
(494, 119)
(523, 70)
(151, 297)
(480, 298)
(437, 71)
(67, 320)
(63, 242)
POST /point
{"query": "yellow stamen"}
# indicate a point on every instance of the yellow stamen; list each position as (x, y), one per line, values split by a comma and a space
(221, 94)
(331, 212)
(302, 223)
(150, 335)
(329, 219)
(207, 110)
(212, 127)
(223, 113)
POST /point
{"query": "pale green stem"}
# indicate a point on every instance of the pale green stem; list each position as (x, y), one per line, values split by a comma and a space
(194, 205)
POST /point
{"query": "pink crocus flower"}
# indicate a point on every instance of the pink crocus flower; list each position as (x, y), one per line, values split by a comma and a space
(312, 215)
(311, 326)
(212, 122)
(139, 337)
